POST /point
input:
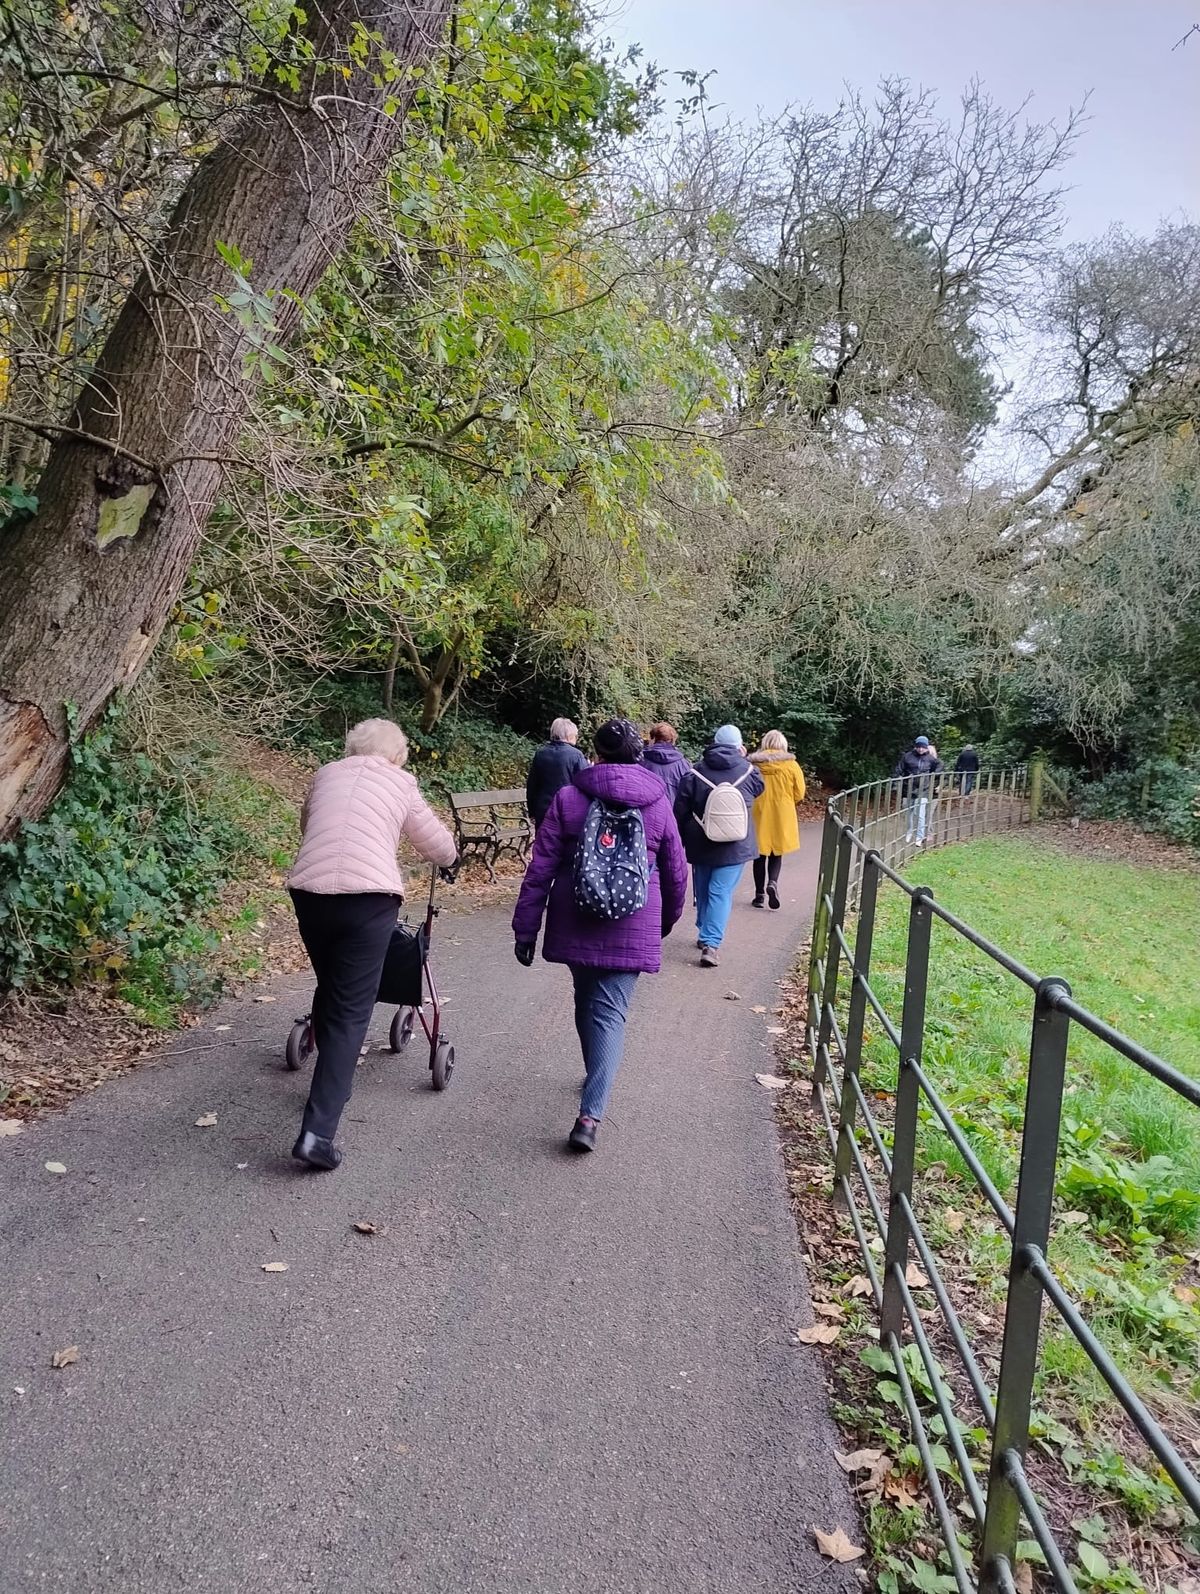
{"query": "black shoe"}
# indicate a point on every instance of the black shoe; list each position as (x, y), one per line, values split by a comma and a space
(773, 896)
(316, 1151)
(583, 1135)
(758, 900)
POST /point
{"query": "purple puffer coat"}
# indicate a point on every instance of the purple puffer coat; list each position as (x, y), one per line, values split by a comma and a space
(572, 936)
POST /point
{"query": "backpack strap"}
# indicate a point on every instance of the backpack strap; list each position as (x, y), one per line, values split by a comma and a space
(711, 784)
(749, 770)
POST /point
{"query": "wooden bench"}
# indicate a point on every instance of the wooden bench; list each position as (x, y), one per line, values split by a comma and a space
(489, 823)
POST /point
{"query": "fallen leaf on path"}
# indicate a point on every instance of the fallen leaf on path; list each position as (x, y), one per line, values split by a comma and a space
(837, 1546)
(776, 1029)
(858, 1460)
(914, 1278)
(818, 1334)
(264, 998)
(758, 1009)
(64, 1358)
(242, 1165)
(274, 1267)
(1074, 1217)
(902, 1492)
(828, 1309)
(366, 1228)
(860, 1284)
(771, 1081)
(209, 1121)
(54, 1167)
(733, 996)
(10, 1126)
(954, 1220)
(221, 1028)
(1023, 1578)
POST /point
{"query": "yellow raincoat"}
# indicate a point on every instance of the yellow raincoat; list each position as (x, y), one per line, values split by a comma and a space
(775, 811)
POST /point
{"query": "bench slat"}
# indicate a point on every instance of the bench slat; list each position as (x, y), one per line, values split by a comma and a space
(463, 801)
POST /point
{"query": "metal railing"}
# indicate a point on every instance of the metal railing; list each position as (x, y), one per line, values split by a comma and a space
(1001, 1501)
(901, 817)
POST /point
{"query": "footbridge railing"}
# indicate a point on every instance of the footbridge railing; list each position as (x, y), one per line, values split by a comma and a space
(866, 840)
(899, 818)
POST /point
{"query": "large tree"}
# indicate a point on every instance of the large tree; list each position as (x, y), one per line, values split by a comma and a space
(88, 579)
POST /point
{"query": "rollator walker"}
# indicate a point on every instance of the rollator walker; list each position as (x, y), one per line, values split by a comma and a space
(407, 979)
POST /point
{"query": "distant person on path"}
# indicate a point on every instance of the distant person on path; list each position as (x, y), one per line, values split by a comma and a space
(614, 806)
(554, 766)
(916, 769)
(713, 809)
(776, 823)
(662, 755)
(347, 889)
(966, 767)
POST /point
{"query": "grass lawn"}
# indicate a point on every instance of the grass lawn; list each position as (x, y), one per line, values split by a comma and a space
(1126, 1235)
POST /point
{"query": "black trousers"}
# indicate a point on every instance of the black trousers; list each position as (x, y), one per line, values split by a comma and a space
(346, 938)
(766, 867)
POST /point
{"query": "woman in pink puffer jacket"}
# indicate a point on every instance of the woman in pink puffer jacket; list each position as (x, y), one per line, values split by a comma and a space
(347, 888)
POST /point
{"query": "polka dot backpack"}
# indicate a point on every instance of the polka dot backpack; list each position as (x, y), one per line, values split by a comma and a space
(612, 865)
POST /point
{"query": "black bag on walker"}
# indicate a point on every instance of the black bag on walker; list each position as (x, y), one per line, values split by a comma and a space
(400, 981)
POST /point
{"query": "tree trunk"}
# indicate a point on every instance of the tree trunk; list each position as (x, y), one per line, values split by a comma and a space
(431, 705)
(389, 676)
(86, 584)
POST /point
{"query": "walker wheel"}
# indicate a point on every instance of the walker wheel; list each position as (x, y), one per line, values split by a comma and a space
(442, 1064)
(402, 1027)
(300, 1045)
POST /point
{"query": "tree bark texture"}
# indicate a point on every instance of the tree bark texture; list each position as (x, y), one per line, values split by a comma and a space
(87, 583)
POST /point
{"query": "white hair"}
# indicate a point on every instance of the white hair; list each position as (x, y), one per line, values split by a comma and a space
(774, 742)
(564, 730)
(377, 739)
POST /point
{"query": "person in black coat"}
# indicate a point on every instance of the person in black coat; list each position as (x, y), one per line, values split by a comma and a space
(916, 769)
(966, 767)
(554, 766)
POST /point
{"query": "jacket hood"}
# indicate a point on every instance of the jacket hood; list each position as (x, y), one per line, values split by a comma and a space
(621, 783)
(663, 753)
(771, 755)
(723, 758)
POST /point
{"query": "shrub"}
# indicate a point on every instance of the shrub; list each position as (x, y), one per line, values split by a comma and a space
(115, 880)
(1160, 795)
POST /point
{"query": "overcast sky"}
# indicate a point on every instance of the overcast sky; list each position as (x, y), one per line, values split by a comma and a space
(1139, 158)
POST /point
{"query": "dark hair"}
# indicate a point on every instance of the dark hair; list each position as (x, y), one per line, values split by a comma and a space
(618, 742)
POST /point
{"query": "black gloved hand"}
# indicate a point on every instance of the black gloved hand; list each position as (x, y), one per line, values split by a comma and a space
(524, 951)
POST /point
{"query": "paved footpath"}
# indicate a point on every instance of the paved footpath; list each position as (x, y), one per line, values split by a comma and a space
(542, 1374)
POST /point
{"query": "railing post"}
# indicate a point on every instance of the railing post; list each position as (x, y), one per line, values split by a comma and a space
(908, 1093)
(848, 1111)
(841, 878)
(829, 837)
(1023, 1314)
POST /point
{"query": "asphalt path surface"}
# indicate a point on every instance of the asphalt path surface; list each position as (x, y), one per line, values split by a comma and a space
(542, 1373)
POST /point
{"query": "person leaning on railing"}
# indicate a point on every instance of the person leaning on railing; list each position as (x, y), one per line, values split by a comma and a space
(916, 769)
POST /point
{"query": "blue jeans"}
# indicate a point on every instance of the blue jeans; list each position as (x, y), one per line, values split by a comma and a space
(714, 899)
(918, 813)
(602, 998)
